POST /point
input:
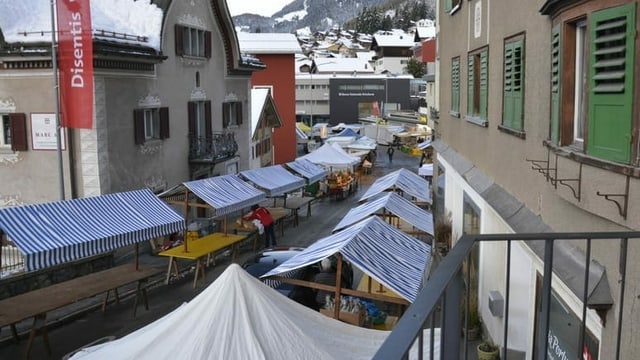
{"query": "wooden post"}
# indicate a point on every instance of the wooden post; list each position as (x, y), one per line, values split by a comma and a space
(336, 308)
(186, 218)
(137, 263)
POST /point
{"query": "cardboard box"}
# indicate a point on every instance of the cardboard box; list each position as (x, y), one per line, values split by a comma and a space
(350, 318)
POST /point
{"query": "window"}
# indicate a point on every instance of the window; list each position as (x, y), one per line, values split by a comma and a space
(192, 42)
(231, 114)
(150, 124)
(592, 88)
(13, 132)
(451, 6)
(477, 87)
(512, 87)
(199, 119)
(455, 86)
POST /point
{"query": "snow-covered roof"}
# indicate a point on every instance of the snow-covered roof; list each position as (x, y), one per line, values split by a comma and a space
(394, 40)
(342, 65)
(426, 32)
(138, 19)
(268, 43)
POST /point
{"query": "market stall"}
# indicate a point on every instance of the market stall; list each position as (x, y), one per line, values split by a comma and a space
(392, 258)
(403, 181)
(258, 323)
(393, 208)
(273, 180)
(54, 233)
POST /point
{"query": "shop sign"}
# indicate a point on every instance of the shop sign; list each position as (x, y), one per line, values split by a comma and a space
(43, 132)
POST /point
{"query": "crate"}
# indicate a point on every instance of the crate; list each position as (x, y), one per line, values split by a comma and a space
(348, 317)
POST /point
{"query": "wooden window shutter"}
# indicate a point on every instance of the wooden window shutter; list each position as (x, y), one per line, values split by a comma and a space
(238, 106)
(556, 57)
(191, 113)
(512, 86)
(611, 42)
(226, 113)
(470, 83)
(455, 85)
(484, 84)
(164, 123)
(207, 119)
(138, 126)
(18, 125)
(207, 44)
(179, 33)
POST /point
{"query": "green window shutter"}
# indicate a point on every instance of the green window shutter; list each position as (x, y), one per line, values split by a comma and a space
(556, 54)
(470, 83)
(455, 85)
(484, 83)
(612, 35)
(513, 83)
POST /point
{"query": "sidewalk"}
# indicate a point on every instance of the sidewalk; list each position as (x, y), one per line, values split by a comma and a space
(74, 326)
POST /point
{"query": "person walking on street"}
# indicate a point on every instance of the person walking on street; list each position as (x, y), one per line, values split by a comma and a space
(261, 214)
(390, 153)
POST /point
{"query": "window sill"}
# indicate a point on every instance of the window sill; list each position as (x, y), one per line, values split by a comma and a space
(151, 147)
(517, 133)
(455, 114)
(193, 60)
(476, 120)
(574, 154)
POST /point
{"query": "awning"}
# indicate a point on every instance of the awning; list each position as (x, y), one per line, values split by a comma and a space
(389, 256)
(226, 194)
(395, 204)
(274, 180)
(310, 171)
(54, 233)
(403, 179)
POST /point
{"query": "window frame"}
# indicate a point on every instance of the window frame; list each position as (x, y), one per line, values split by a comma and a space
(513, 85)
(192, 42)
(609, 121)
(5, 131)
(478, 86)
(231, 114)
(157, 118)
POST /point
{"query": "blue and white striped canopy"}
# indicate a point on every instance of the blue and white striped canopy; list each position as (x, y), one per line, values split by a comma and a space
(274, 180)
(312, 172)
(54, 233)
(226, 193)
(394, 203)
(403, 179)
(391, 257)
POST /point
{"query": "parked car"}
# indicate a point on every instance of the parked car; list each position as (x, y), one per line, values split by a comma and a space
(270, 258)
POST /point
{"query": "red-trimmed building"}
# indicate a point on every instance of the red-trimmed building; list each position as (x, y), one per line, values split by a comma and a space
(277, 51)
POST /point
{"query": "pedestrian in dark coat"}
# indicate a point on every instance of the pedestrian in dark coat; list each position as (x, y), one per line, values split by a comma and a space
(390, 153)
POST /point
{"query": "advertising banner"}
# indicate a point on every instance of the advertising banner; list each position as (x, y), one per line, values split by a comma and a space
(75, 63)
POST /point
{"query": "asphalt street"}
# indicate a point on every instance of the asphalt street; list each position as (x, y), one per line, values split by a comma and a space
(75, 326)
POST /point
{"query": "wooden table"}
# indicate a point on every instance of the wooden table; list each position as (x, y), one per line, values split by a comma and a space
(37, 303)
(198, 250)
(294, 203)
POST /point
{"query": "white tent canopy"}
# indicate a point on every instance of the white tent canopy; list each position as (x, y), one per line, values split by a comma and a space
(402, 179)
(394, 203)
(238, 317)
(331, 156)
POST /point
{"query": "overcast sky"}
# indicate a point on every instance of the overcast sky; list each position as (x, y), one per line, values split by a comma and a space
(260, 7)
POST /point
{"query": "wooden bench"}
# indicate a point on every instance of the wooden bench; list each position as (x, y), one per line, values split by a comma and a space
(200, 251)
(37, 303)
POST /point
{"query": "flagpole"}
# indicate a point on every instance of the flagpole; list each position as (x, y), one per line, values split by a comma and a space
(54, 63)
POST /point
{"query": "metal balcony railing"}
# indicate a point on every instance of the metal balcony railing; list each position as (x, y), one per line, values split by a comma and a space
(440, 299)
(213, 148)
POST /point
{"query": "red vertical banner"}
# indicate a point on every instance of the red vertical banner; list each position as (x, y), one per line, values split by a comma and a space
(75, 63)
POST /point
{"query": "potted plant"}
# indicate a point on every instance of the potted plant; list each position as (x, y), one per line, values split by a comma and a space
(488, 351)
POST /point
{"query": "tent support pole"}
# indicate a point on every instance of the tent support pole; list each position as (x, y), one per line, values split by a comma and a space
(137, 262)
(336, 308)
(186, 218)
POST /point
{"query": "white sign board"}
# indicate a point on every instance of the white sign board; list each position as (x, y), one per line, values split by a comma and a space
(43, 132)
(477, 28)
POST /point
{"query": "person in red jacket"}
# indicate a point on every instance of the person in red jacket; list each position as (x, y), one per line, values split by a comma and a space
(262, 214)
